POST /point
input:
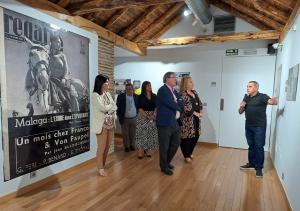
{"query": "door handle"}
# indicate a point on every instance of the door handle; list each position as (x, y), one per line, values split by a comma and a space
(222, 104)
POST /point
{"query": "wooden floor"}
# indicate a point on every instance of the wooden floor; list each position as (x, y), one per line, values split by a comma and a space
(212, 182)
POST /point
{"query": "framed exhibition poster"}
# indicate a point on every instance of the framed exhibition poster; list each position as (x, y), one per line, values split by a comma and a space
(44, 94)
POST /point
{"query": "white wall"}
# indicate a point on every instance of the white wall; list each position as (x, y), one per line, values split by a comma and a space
(287, 145)
(17, 183)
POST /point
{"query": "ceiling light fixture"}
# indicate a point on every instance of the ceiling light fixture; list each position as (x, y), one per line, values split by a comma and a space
(187, 12)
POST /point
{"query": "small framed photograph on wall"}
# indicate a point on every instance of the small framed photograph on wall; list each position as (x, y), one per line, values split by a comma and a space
(292, 83)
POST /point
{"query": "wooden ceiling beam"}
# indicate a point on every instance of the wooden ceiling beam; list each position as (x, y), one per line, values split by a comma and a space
(252, 13)
(94, 6)
(91, 17)
(243, 36)
(44, 5)
(63, 3)
(105, 34)
(290, 22)
(243, 16)
(88, 25)
(115, 17)
(269, 10)
(283, 5)
(138, 22)
(173, 10)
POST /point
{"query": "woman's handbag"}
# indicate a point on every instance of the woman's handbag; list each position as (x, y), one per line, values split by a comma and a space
(108, 121)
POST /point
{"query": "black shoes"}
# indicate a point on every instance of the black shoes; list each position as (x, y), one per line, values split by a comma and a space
(132, 148)
(170, 166)
(167, 171)
(259, 173)
(247, 167)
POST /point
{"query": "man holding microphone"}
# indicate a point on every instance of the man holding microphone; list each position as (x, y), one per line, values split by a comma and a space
(254, 105)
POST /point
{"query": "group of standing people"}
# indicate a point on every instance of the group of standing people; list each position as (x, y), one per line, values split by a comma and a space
(170, 119)
(137, 118)
(178, 120)
(166, 120)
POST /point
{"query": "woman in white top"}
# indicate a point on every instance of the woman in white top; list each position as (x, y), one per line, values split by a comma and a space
(104, 119)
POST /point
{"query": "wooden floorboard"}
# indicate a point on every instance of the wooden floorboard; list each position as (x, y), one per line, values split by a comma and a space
(212, 181)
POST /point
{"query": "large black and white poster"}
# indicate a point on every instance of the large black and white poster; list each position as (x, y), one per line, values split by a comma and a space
(44, 94)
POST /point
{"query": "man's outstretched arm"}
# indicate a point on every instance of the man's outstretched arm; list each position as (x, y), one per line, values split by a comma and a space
(272, 101)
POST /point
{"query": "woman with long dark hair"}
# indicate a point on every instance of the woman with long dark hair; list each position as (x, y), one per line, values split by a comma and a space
(146, 131)
(103, 123)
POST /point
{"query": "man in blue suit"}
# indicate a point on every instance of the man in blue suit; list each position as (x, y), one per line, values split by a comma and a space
(169, 106)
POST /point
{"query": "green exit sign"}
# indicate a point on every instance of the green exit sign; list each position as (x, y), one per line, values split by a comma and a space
(232, 52)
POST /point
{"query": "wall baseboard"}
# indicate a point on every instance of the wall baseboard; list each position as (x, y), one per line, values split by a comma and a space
(208, 144)
(281, 185)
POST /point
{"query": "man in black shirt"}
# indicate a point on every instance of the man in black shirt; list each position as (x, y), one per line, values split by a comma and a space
(254, 105)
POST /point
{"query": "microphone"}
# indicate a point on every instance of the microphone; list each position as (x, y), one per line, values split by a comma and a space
(246, 99)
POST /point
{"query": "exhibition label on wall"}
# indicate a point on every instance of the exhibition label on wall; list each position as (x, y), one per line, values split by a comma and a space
(44, 94)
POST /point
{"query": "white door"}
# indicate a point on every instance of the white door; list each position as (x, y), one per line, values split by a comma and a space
(237, 72)
(207, 82)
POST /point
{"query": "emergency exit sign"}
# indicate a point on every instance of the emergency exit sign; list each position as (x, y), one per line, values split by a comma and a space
(232, 52)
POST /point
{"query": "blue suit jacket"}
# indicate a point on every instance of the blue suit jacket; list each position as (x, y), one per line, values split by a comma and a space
(167, 107)
(121, 104)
